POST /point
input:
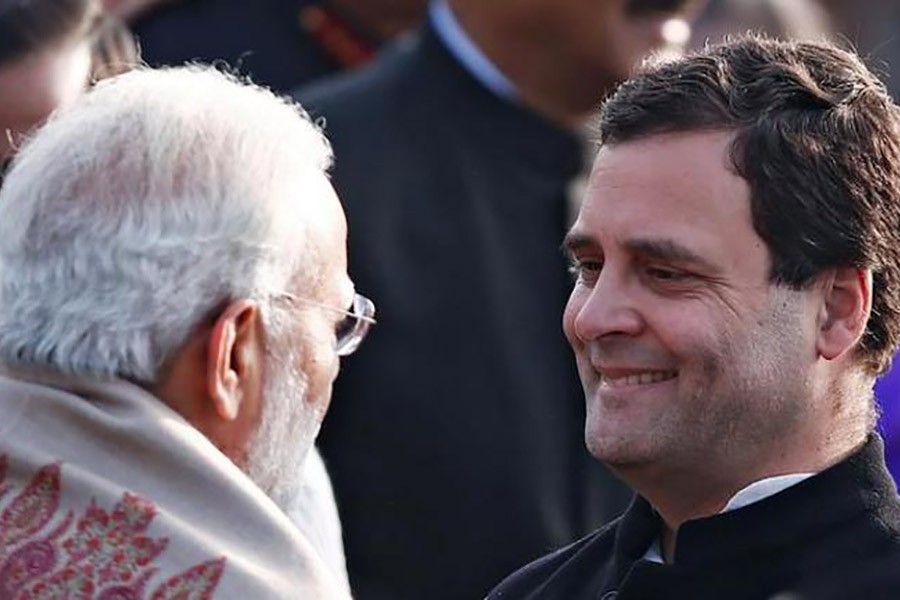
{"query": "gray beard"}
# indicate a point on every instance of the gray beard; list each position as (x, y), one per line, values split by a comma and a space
(288, 427)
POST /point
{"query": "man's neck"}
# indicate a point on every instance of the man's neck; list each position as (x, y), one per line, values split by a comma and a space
(564, 93)
(688, 493)
(751, 494)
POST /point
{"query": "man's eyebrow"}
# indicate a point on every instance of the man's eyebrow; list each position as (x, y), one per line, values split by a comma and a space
(576, 240)
(656, 249)
(668, 250)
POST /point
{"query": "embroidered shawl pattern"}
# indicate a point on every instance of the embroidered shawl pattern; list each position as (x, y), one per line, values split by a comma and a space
(102, 555)
(106, 493)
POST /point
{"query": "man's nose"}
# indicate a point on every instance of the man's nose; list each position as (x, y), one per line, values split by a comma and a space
(608, 309)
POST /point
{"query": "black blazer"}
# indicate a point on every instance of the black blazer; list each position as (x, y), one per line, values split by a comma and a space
(455, 438)
(834, 536)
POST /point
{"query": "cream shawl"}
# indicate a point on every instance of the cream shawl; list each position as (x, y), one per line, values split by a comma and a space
(107, 493)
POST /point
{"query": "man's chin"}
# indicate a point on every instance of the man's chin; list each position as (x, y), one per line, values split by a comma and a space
(277, 469)
(615, 452)
(287, 430)
(278, 478)
(286, 492)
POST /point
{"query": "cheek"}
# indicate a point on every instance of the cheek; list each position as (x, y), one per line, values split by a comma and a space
(72, 77)
(321, 370)
(321, 379)
(707, 344)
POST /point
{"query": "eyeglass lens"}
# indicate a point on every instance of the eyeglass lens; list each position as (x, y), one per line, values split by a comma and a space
(351, 330)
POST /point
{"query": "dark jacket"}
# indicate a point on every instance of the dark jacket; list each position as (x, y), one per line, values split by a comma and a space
(835, 536)
(264, 39)
(454, 440)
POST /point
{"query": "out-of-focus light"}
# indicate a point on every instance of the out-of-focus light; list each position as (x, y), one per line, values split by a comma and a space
(676, 32)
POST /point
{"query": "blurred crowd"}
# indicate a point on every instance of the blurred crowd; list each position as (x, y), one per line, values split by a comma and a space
(461, 136)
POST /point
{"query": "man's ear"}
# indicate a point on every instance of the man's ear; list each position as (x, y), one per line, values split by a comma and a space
(234, 358)
(844, 311)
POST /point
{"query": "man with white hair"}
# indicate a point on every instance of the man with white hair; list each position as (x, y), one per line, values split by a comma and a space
(175, 301)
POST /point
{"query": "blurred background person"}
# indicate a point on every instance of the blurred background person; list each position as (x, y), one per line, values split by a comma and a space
(50, 52)
(279, 43)
(785, 19)
(455, 154)
(871, 27)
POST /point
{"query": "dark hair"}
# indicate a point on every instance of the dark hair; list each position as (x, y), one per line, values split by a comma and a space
(31, 26)
(817, 138)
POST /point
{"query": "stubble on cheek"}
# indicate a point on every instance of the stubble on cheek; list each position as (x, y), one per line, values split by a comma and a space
(748, 400)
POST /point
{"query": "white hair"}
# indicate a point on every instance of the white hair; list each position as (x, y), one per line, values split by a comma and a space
(132, 215)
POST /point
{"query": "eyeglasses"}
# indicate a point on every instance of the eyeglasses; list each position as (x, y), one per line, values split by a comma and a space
(352, 329)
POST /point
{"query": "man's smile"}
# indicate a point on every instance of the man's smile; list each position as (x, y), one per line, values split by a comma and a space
(642, 378)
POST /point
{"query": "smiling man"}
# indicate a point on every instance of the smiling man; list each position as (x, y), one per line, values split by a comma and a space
(737, 261)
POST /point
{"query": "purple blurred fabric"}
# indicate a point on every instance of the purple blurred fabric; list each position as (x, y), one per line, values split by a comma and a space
(887, 391)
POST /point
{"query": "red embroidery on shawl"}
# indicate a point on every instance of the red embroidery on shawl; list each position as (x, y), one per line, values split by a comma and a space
(33, 508)
(194, 584)
(105, 556)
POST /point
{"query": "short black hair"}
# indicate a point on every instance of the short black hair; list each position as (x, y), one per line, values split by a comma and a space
(816, 137)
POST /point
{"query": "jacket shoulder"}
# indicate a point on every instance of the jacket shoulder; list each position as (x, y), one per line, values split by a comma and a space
(565, 574)
(391, 76)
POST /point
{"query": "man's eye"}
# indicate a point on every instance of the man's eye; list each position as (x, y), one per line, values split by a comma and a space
(585, 271)
(664, 274)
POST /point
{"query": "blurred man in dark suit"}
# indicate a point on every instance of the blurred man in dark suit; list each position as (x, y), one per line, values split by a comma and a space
(455, 154)
(279, 43)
